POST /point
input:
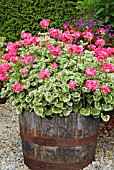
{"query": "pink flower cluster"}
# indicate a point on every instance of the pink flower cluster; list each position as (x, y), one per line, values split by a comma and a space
(88, 36)
(92, 84)
(4, 68)
(100, 42)
(54, 65)
(3, 77)
(17, 87)
(90, 72)
(28, 39)
(108, 67)
(76, 49)
(24, 71)
(54, 32)
(66, 37)
(106, 89)
(44, 23)
(27, 58)
(55, 52)
(12, 52)
(72, 84)
(44, 74)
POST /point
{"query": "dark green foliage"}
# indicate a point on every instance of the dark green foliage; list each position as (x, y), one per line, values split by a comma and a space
(107, 9)
(19, 15)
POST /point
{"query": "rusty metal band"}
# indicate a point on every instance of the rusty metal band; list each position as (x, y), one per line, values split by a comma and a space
(34, 164)
(60, 142)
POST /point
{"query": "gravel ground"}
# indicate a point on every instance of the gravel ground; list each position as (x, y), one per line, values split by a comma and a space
(11, 157)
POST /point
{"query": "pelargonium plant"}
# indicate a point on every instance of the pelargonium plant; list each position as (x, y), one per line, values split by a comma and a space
(48, 74)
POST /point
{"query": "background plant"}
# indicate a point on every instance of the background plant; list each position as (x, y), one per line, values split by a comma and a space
(100, 8)
(19, 15)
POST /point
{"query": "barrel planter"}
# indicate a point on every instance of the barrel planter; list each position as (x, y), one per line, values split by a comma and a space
(58, 143)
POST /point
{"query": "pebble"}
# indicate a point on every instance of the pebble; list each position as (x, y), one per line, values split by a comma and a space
(11, 157)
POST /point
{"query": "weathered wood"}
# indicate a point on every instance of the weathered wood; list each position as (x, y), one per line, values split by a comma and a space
(58, 143)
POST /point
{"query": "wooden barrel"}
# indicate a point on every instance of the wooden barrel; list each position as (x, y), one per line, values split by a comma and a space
(60, 143)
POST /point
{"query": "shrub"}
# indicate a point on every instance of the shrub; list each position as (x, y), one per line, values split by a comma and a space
(19, 15)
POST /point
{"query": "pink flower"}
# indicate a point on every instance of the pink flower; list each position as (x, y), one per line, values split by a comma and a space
(17, 87)
(29, 57)
(44, 23)
(92, 84)
(54, 32)
(101, 54)
(91, 47)
(54, 65)
(13, 51)
(88, 35)
(44, 74)
(24, 62)
(14, 59)
(100, 42)
(24, 71)
(79, 49)
(71, 48)
(90, 72)
(7, 56)
(4, 67)
(50, 47)
(66, 37)
(102, 31)
(75, 48)
(25, 35)
(56, 52)
(3, 77)
(108, 67)
(72, 84)
(105, 89)
(77, 34)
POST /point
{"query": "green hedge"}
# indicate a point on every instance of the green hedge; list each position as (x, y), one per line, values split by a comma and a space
(19, 15)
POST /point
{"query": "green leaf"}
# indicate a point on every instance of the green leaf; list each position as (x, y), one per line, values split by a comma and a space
(38, 110)
(66, 112)
(27, 85)
(69, 103)
(19, 109)
(96, 97)
(108, 98)
(48, 112)
(107, 107)
(49, 97)
(56, 109)
(90, 99)
(85, 112)
(65, 88)
(60, 104)
(105, 117)
(112, 102)
(54, 101)
(15, 102)
(98, 105)
(85, 90)
(77, 106)
(76, 94)
(65, 97)
(99, 11)
(95, 112)
(22, 94)
(28, 99)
